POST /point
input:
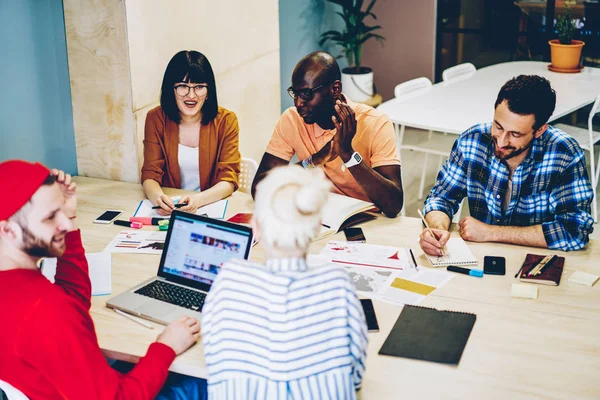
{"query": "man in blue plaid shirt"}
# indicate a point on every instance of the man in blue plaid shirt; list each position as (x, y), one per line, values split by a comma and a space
(526, 182)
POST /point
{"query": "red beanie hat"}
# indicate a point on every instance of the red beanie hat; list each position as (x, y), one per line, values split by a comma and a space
(19, 180)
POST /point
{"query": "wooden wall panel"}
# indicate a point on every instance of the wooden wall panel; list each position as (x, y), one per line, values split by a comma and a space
(101, 89)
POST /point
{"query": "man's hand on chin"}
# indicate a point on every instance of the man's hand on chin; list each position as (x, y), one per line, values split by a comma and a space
(474, 230)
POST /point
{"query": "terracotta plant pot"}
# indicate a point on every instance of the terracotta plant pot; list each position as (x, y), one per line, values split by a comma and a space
(565, 56)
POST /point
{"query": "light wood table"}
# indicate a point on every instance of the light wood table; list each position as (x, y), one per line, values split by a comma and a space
(519, 349)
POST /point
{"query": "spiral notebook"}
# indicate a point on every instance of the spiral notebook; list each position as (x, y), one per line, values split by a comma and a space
(428, 334)
(456, 253)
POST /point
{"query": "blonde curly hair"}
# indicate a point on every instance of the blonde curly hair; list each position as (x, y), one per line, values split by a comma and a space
(288, 206)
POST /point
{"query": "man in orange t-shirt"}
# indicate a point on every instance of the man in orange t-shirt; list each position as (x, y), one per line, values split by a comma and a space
(353, 143)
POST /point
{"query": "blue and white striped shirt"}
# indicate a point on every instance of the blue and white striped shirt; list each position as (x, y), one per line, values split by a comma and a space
(550, 187)
(283, 331)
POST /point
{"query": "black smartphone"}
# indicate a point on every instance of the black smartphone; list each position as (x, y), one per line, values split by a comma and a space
(354, 235)
(367, 305)
(494, 265)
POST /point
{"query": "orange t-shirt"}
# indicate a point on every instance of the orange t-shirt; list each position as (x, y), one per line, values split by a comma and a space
(375, 140)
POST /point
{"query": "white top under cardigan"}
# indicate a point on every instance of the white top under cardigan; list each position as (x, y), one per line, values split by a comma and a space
(189, 167)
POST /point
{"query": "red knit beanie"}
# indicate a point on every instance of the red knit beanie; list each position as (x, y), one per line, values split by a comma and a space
(19, 180)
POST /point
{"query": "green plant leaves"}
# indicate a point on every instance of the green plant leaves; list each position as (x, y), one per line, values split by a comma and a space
(356, 32)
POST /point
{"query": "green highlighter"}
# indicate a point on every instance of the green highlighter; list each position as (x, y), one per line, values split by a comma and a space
(163, 225)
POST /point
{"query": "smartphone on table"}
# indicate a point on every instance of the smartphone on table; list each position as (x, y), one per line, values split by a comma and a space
(494, 265)
(108, 216)
(367, 305)
(354, 235)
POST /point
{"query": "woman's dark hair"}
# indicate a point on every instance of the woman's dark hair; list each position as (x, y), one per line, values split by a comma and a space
(190, 67)
(529, 94)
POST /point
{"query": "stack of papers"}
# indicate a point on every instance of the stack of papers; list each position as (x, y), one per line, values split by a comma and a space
(99, 265)
(140, 242)
(383, 272)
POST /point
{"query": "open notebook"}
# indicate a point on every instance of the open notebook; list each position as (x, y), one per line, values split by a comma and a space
(457, 253)
(338, 210)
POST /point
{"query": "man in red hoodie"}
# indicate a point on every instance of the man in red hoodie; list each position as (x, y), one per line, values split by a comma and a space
(48, 345)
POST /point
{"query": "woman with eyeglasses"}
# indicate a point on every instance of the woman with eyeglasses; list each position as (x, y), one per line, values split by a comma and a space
(189, 141)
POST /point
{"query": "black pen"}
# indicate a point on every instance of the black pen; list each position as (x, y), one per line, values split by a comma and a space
(176, 206)
(413, 258)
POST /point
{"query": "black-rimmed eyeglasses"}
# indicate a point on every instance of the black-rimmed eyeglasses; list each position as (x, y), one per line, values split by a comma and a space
(183, 89)
(305, 94)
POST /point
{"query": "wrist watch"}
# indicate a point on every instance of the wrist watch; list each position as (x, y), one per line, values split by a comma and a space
(355, 159)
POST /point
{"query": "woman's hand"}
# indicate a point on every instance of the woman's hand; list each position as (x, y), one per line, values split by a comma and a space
(165, 203)
(194, 202)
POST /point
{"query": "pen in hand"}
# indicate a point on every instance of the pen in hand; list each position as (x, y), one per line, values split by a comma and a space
(429, 229)
(176, 206)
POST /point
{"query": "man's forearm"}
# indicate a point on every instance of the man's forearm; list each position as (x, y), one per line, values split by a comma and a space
(521, 235)
(384, 193)
(438, 220)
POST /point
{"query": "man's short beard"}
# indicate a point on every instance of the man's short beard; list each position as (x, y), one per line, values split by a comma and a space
(36, 247)
(514, 153)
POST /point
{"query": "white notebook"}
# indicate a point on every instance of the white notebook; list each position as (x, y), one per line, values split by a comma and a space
(457, 253)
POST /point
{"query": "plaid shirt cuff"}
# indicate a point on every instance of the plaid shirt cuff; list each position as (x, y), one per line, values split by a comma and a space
(558, 238)
(436, 204)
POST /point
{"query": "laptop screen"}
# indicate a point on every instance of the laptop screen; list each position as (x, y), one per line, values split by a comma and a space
(196, 247)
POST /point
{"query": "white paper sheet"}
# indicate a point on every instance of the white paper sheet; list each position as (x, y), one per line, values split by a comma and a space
(100, 268)
(425, 276)
(140, 242)
(366, 255)
(214, 210)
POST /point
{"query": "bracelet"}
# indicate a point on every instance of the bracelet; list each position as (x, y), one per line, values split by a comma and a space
(308, 163)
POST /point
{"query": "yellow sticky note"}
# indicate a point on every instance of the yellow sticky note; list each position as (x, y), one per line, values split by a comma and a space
(414, 287)
(524, 291)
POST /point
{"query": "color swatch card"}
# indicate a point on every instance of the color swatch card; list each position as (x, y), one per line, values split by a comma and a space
(99, 265)
(140, 242)
(415, 288)
(457, 253)
(214, 210)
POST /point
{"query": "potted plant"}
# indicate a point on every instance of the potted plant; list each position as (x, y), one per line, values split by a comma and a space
(357, 80)
(565, 52)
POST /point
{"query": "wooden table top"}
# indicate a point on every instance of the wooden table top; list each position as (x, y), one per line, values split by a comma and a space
(519, 348)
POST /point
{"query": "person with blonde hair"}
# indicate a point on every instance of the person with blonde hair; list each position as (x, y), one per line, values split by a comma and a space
(283, 328)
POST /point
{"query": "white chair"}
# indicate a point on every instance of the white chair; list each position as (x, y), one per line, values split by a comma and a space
(587, 138)
(405, 90)
(248, 168)
(11, 392)
(460, 70)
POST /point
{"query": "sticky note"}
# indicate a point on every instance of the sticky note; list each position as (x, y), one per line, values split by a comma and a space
(524, 291)
(583, 278)
(411, 286)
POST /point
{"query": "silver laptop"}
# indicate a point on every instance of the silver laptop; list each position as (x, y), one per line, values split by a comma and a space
(195, 249)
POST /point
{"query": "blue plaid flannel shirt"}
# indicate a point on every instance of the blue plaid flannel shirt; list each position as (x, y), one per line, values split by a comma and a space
(550, 187)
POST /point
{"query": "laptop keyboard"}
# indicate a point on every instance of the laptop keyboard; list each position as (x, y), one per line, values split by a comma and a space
(173, 294)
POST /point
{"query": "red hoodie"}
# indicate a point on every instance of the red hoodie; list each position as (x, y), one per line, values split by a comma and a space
(48, 345)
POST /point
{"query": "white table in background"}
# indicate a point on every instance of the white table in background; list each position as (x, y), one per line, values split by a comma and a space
(456, 106)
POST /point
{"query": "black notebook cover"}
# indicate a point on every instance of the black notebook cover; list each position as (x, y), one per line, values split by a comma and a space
(429, 334)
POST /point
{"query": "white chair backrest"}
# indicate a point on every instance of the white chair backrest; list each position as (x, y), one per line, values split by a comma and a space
(11, 392)
(453, 73)
(248, 168)
(412, 86)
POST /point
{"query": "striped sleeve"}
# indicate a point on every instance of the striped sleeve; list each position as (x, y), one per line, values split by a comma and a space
(359, 338)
